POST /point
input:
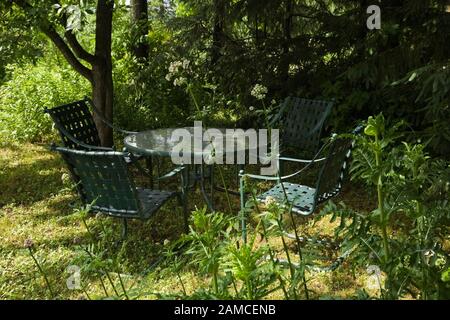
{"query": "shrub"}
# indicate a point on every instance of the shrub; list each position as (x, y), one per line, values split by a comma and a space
(47, 83)
(405, 235)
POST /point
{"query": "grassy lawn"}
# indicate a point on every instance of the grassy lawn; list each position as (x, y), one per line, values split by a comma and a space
(38, 203)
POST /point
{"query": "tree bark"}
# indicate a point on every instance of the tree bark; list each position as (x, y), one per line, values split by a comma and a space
(140, 20)
(286, 44)
(218, 30)
(102, 84)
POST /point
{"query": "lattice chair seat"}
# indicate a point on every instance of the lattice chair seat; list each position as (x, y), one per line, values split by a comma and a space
(300, 197)
(152, 200)
(76, 125)
(77, 128)
(104, 182)
(303, 199)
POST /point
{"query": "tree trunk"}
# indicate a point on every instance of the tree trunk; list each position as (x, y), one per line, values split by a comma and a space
(218, 30)
(140, 20)
(102, 84)
(286, 44)
(102, 97)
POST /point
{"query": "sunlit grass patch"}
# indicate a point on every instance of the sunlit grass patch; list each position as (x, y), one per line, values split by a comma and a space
(40, 204)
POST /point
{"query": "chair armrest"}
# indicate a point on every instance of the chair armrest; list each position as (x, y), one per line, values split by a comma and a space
(272, 178)
(174, 172)
(309, 163)
(288, 159)
(301, 160)
(80, 143)
(314, 159)
(258, 177)
(171, 173)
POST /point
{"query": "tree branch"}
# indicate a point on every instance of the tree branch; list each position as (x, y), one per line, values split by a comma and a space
(74, 44)
(50, 32)
(67, 53)
(77, 48)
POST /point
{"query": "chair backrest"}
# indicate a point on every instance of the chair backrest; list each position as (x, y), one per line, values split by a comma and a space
(104, 180)
(76, 120)
(302, 123)
(332, 173)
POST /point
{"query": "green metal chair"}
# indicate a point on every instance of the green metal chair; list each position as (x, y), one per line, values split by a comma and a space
(76, 125)
(300, 122)
(304, 199)
(77, 129)
(104, 182)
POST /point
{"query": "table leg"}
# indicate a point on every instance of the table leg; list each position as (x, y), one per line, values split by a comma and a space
(149, 165)
(211, 182)
(208, 201)
(231, 191)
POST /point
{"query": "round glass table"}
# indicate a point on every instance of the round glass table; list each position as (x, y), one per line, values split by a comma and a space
(169, 141)
(185, 143)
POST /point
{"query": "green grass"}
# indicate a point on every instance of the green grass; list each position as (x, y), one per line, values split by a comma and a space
(37, 202)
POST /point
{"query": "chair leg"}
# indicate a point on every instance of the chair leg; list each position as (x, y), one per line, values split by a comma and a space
(182, 199)
(149, 165)
(281, 168)
(185, 177)
(211, 182)
(124, 228)
(243, 217)
(186, 216)
(203, 190)
(158, 173)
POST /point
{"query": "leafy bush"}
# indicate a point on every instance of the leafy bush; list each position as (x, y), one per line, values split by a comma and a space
(143, 99)
(237, 270)
(234, 268)
(405, 235)
(47, 83)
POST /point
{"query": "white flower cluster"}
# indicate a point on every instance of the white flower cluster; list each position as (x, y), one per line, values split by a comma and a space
(293, 69)
(269, 200)
(175, 69)
(259, 92)
(175, 66)
(179, 81)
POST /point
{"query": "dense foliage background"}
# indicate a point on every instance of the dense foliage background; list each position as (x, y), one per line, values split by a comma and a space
(200, 59)
(307, 48)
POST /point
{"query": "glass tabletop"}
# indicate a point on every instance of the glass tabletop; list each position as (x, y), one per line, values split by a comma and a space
(172, 141)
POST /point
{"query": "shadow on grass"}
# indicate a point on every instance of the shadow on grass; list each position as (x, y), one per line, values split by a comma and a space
(28, 183)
